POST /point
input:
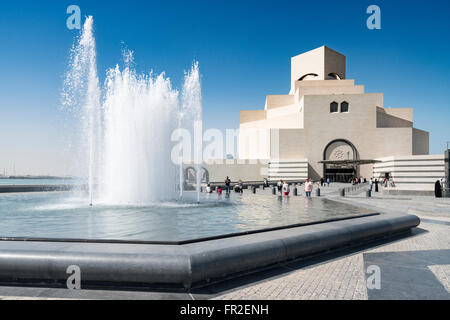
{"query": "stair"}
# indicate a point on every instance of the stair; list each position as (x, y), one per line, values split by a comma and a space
(288, 170)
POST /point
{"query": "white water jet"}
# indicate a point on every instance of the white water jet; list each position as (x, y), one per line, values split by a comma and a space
(81, 94)
(140, 114)
(126, 139)
(192, 111)
(180, 166)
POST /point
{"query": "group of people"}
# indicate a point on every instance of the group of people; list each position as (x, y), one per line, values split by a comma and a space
(438, 187)
(282, 186)
(373, 182)
(284, 189)
(322, 182)
(209, 189)
(357, 180)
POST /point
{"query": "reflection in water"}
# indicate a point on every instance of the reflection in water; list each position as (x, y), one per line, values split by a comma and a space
(308, 204)
(62, 215)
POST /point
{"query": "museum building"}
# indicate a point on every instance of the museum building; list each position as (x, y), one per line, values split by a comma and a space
(328, 126)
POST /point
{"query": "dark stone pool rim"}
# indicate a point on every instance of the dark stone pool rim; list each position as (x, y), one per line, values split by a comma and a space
(118, 265)
(183, 242)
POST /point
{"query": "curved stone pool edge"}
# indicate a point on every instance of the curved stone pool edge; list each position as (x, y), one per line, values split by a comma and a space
(119, 265)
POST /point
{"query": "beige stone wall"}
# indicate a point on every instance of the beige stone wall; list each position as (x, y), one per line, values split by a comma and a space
(334, 63)
(283, 112)
(327, 89)
(386, 120)
(248, 171)
(288, 144)
(403, 113)
(254, 143)
(421, 142)
(276, 101)
(252, 115)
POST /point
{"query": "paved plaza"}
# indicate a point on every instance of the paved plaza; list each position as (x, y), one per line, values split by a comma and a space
(413, 266)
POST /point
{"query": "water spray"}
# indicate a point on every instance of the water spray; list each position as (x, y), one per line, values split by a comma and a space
(127, 134)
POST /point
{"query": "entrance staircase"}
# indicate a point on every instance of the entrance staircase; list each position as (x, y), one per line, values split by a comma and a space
(288, 170)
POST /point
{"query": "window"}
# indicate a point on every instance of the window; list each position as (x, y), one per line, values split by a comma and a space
(333, 107)
(334, 76)
(344, 106)
(308, 76)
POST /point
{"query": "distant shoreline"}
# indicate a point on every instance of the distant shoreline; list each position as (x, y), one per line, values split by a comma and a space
(36, 177)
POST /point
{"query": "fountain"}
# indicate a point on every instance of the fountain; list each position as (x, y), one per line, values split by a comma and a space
(126, 149)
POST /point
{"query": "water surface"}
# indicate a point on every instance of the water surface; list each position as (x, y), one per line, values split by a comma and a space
(68, 216)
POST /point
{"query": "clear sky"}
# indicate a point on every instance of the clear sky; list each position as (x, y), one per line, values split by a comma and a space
(244, 49)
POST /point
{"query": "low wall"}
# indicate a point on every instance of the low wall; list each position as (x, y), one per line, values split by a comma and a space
(246, 170)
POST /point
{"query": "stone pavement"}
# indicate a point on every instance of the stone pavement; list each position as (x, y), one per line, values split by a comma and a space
(414, 267)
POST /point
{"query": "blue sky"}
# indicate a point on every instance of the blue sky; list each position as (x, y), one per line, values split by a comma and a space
(244, 49)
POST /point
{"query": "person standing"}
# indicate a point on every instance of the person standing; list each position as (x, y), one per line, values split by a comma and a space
(286, 189)
(241, 186)
(227, 185)
(308, 188)
(321, 182)
(437, 189)
(328, 181)
(376, 185)
(371, 184)
(280, 185)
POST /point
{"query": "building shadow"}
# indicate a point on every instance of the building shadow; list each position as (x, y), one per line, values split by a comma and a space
(406, 275)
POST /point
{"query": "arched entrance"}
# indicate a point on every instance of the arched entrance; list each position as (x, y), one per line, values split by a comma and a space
(336, 154)
(190, 175)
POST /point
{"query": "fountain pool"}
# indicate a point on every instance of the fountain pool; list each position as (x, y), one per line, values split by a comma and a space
(68, 216)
